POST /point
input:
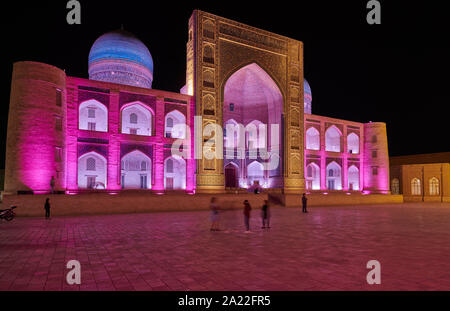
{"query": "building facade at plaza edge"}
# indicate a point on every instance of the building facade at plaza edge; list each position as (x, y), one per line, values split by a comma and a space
(113, 132)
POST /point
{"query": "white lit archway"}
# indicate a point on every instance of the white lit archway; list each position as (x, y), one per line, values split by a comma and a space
(93, 116)
(92, 171)
(353, 178)
(333, 139)
(136, 171)
(255, 173)
(136, 119)
(256, 135)
(174, 173)
(312, 176)
(175, 125)
(334, 179)
(352, 143)
(312, 139)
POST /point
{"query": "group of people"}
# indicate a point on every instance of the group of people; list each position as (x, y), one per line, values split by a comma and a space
(265, 213)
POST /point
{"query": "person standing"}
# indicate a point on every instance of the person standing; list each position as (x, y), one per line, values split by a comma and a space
(265, 214)
(304, 203)
(47, 208)
(247, 209)
(214, 214)
(52, 184)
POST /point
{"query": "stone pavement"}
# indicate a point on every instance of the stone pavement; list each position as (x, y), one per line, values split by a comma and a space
(326, 249)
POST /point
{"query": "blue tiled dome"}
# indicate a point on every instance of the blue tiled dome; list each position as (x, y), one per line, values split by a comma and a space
(120, 44)
(307, 96)
(307, 88)
(119, 57)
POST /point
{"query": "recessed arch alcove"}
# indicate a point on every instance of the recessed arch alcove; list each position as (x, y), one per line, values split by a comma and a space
(252, 99)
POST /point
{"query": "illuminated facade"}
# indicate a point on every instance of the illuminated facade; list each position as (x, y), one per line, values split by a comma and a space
(113, 133)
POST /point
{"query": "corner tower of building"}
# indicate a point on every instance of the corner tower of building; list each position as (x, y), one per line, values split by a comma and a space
(376, 158)
(35, 139)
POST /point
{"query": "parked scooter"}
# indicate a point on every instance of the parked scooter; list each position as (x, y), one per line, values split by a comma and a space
(8, 214)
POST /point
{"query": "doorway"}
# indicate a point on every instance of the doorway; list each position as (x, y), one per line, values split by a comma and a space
(231, 176)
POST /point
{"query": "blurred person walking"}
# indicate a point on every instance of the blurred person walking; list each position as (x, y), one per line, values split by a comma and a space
(247, 209)
(265, 215)
(214, 214)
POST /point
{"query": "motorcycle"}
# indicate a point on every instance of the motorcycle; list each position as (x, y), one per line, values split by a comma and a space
(8, 214)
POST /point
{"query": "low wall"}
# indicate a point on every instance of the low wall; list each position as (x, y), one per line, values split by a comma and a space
(317, 199)
(415, 198)
(102, 203)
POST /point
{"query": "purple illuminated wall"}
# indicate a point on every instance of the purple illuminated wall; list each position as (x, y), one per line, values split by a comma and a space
(44, 137)
(35, 138)
(363, 159)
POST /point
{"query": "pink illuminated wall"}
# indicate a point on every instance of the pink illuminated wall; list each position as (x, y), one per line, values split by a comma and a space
(49, 135)
(123, 149)
(347, 149)
(35, 140)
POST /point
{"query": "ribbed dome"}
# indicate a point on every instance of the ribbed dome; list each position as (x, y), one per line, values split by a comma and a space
(119, 57)
(307, 96)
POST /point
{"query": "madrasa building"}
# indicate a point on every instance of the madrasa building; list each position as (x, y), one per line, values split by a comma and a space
(114, 133)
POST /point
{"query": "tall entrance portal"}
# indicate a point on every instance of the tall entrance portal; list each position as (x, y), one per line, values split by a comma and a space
(252, 123)
(246, 76)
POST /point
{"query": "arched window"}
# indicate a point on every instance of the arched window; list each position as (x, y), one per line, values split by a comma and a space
(137, 119)
(312, 177)
(255, 173)
(208, 54)
(169, 122)
(174, 173)
(208, 78)
(90, 164)
(353, 178)
(309, 171)
(353, 143)
(334, 181)
(312, 139)
(434, 186)
(175, 125)
(93, 116)
(232, 134)
(395, 186)
(333, 139)
(208, 29)
(169, 166)
(136, 170)
(143, 166)
(256, 134)
(133, 118)
(92, 171)
(415, 187)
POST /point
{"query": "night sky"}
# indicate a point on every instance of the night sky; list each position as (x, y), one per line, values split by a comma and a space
(396, 72)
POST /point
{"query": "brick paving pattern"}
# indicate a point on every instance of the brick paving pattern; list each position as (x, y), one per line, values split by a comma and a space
(326, 249)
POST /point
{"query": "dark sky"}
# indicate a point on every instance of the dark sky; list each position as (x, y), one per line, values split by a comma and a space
(396, 72)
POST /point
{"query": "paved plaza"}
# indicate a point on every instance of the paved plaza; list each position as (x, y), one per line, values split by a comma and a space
(326, 249)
